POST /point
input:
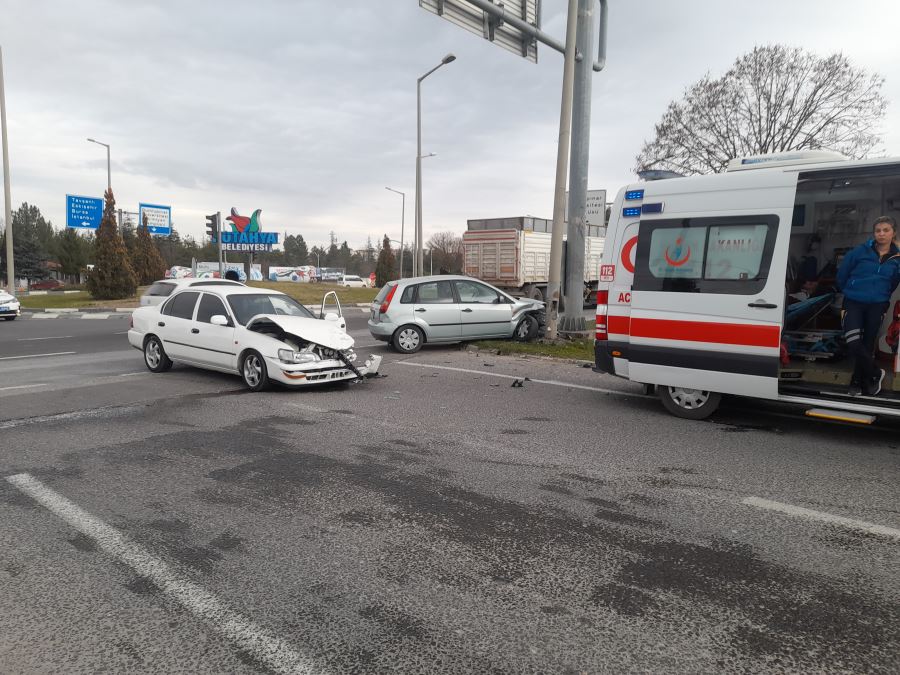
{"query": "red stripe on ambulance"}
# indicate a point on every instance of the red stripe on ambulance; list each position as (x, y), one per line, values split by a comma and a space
(750, 335)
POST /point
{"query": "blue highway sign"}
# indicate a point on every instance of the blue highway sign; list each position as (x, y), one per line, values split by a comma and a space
(83, 212)
(159, 218)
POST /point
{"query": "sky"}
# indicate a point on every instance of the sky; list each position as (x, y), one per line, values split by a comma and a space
(306, 109)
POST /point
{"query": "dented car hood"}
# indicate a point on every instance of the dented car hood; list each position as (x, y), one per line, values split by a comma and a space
(319, 331)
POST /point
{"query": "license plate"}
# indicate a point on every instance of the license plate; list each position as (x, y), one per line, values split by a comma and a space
(4, 308)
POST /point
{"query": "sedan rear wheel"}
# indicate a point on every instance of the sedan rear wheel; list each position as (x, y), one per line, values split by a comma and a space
(155, 356)
(253, 370)
(408, 339)
(10, 318)
(691, 404)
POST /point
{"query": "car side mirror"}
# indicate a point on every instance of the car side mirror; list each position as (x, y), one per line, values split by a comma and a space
(331, 316)
(218, 320)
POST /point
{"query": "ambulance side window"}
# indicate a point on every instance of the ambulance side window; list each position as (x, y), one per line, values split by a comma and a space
(705, 255)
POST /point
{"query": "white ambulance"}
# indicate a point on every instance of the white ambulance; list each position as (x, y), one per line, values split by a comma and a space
(724, 284)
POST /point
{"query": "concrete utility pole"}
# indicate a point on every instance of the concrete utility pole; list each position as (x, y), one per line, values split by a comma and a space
(562, 159)
(573, 319)
(10, 261)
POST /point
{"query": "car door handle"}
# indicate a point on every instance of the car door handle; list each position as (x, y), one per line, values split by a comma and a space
(421, 309)
(762, 304)
(467, 309)
(161, 323)
(195, 330)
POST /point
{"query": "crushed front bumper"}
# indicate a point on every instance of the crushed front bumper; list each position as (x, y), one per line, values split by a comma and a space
(322, 372)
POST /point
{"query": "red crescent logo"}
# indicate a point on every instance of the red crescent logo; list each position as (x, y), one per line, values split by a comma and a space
(680, 261)
(627, 262)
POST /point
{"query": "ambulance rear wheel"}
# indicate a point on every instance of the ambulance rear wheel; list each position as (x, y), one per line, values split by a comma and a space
(691, 404)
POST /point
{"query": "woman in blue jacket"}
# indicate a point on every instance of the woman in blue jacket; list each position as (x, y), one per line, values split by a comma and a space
(868, 276)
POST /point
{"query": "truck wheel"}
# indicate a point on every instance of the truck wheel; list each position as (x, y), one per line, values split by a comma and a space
(691, 404)
(535, 293)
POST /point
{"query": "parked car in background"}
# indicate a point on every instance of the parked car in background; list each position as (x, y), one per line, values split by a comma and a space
(450, 308)
(158, 291)
(9, 306)
(352, 281)
(45, 285)
(264, 336)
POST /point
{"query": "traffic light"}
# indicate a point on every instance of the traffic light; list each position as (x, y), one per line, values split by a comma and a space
(212, 227)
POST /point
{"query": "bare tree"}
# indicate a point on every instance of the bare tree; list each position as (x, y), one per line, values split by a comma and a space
(447, 249)
(773, 99)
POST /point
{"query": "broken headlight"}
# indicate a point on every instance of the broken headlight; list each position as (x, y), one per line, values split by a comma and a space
(290, 356)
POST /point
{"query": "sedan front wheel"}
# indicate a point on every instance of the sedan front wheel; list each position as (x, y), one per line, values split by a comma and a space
(253, 370)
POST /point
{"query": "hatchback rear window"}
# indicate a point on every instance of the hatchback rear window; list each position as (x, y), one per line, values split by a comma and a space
(382, 294)
(161, 289)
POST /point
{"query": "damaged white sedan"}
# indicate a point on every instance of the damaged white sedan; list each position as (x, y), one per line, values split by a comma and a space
(262, 335)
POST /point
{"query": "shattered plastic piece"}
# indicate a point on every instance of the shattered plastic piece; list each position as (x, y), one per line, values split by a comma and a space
(517, 383)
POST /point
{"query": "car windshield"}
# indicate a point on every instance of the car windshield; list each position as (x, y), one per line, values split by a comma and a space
(245, 307)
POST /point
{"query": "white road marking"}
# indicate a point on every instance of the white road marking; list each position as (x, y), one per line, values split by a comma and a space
(55, 337)
(821, 516)
(34, 356)
(555, 383)
(23, 386)
(124, 332)
(45, 316)
(265, 646)
(95, 316)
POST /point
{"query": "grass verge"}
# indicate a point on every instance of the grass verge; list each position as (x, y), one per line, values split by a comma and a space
(311, 294)
(307, 294)
(582, 350)
(72, 301)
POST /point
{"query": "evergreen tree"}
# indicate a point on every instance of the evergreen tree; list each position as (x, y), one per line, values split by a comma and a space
(72, 252)
(302, 251)
(385, 269)
(29, 258)
(112, 277)
(147, 262)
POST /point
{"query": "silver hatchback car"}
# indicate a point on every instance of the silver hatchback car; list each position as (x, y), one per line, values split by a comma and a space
(450, 308)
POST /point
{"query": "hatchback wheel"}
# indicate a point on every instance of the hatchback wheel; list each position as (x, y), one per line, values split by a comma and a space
(253, 370)
(691, 404)
(527, 329)
(408, 339)
(10, 318)
(155, 356)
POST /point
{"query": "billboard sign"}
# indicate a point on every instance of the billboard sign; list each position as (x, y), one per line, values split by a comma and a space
(159, 218)
(298, 274)
(83, 213)
(245, 234)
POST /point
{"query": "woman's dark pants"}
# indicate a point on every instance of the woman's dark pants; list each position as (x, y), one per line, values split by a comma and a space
(862, 320)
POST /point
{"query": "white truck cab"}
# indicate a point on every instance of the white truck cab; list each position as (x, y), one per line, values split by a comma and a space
(725, 283)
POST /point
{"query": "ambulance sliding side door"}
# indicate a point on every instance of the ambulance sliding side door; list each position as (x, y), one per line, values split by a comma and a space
(707, 302)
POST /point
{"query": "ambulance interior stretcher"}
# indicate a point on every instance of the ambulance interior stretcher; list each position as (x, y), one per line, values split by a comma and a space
(833, 213)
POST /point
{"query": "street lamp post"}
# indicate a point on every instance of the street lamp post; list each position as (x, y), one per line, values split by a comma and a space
(10, 260)
(402, 219)
(108, 170)
(418, 259)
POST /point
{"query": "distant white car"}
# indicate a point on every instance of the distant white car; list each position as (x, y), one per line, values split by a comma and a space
(352, 281)
(158, 291)
(264, 336)
(9, 306)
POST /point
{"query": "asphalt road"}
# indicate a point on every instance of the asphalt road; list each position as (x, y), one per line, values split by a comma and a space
(438, 519)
